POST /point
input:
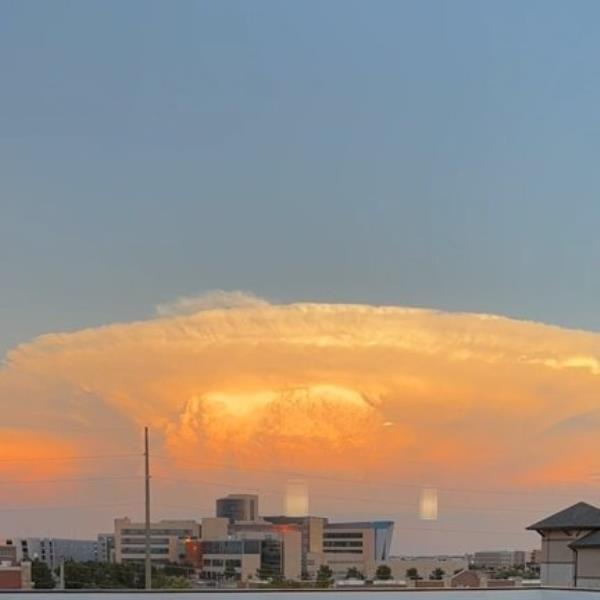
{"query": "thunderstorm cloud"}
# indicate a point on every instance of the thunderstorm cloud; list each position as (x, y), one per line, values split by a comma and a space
(317, 388)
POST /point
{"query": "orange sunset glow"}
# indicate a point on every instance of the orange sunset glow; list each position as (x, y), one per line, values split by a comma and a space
(320, 387)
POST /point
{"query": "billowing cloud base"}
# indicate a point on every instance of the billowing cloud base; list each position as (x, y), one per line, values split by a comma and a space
(319, 388)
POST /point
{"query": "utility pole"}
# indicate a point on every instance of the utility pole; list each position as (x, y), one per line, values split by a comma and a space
(147, 562)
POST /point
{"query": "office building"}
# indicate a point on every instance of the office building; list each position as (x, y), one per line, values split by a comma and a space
(167, 540)
(570, 555)
(53, 551)
(281, 550)
(311, 539)
(106, 547)
(8, 552)
(499, 559)
(238, 507)
(359, 545)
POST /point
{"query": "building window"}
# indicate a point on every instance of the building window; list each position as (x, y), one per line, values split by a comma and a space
(233, 562)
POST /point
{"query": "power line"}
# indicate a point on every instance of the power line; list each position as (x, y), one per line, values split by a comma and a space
(343, 498)
(68, 507)
(71, 457)
(359, 482)
(70, 480)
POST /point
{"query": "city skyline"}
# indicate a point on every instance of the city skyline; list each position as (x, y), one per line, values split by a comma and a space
(342, 254)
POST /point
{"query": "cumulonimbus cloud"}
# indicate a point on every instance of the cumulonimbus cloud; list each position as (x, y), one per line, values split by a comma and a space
(322, 387)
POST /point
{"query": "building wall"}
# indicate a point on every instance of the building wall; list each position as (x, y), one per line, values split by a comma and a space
(238, 507)
(350, 547)
(10, 578)
(341, 546)
(243, 555)
(167, 540)
(245, 566)
(311, 529)
(106, 547)
(8, 552)
(556, 575)
(292, 554)
(53, 551)
(214, 528)
(557, 566)
(15, 577)
(588, 568)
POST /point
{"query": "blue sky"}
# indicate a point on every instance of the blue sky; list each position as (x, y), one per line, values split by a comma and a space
(438, 154)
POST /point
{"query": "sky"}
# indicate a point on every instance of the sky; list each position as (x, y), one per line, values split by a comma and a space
(326, 159)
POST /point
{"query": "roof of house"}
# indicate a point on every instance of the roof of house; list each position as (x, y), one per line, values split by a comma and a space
(579, 516)
(591, 540)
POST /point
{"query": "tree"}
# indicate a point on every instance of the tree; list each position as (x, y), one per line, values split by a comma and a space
(178, 582)
(41, 575)
(179, 570)
(160, 580)
(229, 572)
(268, 573)
(383, 573)
(354, 573)
(437, 574)
(97, 575)
(324, 576)
(412, 573)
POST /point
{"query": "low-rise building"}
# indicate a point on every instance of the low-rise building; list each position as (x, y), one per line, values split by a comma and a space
(54, 551)
(167, 540)
(570, 555)
(106, 547)
(356, 545)
(426, 565)
(15, 577)
(499, 559)
(8, 552)
(534, 558)
(468, 579)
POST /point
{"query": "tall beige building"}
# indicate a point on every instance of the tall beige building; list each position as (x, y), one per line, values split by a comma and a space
(167, 540)
(360, 545)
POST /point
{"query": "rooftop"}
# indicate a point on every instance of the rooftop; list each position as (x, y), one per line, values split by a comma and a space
(361, 525)
(578, 516)
(591, 540)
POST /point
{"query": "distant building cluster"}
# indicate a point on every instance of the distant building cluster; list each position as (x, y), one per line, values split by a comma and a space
(239, 546)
